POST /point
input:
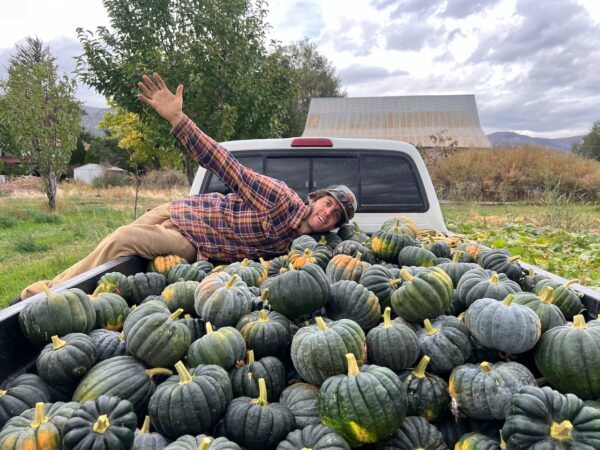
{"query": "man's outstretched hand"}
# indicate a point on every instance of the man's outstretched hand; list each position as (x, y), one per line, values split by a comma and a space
(156, 94)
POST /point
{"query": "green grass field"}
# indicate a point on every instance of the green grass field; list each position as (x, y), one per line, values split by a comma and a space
(36, 244)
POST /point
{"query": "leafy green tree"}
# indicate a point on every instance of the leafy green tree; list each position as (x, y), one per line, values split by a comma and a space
(315, 76)
(589, 146)
(236, 83)
(40, 111)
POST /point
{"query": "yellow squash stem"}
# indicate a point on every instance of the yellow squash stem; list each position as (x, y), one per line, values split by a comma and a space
(508, 300)
(561, 432)
(158, 371)
(323, 240)
(405, 274)
(307, 252)
(430, 329)
(99, 289)
(304, 448)
(263, 315)
(485, 367)
(264, 295)
(249, 357)
(356, 228)
(352, 365)
(570, 283)
(321, 323)
(101, 425)
(419, 372)
(231, 281)
(495, 278)
(145, 426)
(547, 294)
(209, 328)
(395, 282)
(579, 322)
(2, 393)
(514, 258)
(358, 256)
(387, 317)
(47, 290)
(245, 263)
(184, 375)
(122, 336)
(459, 254)
(40, 415)
(204, 444)
(262, 392)
(176, 314)
(57, 343)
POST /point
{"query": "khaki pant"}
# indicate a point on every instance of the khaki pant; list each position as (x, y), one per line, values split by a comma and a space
(151, 235)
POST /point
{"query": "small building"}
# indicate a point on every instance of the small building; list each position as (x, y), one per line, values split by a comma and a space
(423, 120)
(89, 172)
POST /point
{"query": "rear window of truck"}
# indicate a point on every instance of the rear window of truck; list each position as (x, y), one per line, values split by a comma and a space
(382, 182)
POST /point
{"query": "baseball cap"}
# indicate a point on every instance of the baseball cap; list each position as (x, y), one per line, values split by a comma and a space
(346, 198)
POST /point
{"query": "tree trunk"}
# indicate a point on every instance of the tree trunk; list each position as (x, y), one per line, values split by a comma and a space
(50, 183)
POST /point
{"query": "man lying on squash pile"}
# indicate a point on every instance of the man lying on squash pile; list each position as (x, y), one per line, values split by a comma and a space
(259, 219)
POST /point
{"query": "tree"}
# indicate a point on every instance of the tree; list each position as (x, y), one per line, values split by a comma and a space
(315, 77)
(589, 146)
(41, 114)
(236, 84)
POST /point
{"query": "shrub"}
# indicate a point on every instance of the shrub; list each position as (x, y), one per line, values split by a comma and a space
(41, 217)
(7, 221)
(165, 178)
(26, 244)
(112, 179)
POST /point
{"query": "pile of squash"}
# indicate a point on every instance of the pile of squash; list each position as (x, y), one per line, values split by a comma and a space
(399, 340)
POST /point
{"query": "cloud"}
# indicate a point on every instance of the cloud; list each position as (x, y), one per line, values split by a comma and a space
(359, 38)
(413, 36)
(306, 15)
(460, 9)
(360, 74)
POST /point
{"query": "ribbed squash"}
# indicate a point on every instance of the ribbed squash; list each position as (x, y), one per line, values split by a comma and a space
(423, 296)
(314, 437)
(244, 377)
(480, 283)
(21, 394)
(309, 252)
(345, 267)
(202, 442)
(569, 358)
(190, 402)
(415, 433)
(564, 296)
(66, 360)
(222, 299)
(363, 406)
(446, 341)
(277, 265)
(544, 418)
(350, 300)
(416, 256)
(457, 269)
(256, 424)
(392, 344)
(386, 245)
(108, 344)
(352, 232)
(352, 248)
(104, 423)
(146, 440)
(196, 326)
(267, 333)
(401, 225)
(302, 400)
(501, 261)
(550, 315)
(477, 441)
(185, 272)
(145, 284)
(318, 351)
(223, 347)
(250, 272)
(180, 295)
(484, 391)
(440, 249)
(114, 282)
(57, 314)
(164, 264)
(381, 281)
(329, 239)
(111, 310)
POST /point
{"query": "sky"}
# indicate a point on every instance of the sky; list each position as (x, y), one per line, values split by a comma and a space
(533, 66)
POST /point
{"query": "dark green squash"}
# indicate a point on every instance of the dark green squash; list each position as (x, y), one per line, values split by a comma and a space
(223, 347)
(318, 351)
(145, 284)
(440, 249)
(267, 333)
(544, 418)
(352, 231)
(302, 400)
(352, 248)
(185, 272)
(446, 341)
(401, 225)
(146, 440)
(477, 441)
(250, 272)
(114, 282)
(414, 433)
(314, 437)
(180, 294)
(346, 267)
(244, 377)
(569, 358)
(503, 325)
(66, 360)
(550, 315)
(222, 299)
(501, 261)
(57, 314)
(108, 344)
(363, 406)
(191, 401)
(480, 283)
(204, 266)
(104, 423)
(425, 295)
(202, 442)
(387, 245)
(256, 424)
(298, 292)
(309, 251)
(457, 269)
(484, 391)
(350, 300)
(452, 429)
(427, 393)
(111, 310)
(21, 394)
(416, 256)
(330, 239)
(382, 282)
(196, 326)
(276, 265)
(392, 335)
(564, 296)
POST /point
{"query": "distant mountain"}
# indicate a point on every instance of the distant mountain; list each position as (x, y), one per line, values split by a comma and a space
(91, 118)
(510, 139)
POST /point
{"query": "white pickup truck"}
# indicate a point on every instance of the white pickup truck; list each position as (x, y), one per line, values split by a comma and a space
(389, 178)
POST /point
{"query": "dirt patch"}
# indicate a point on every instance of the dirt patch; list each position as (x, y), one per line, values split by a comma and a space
(22, 186)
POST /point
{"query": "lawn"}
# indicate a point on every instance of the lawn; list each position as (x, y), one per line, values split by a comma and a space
(36, 244)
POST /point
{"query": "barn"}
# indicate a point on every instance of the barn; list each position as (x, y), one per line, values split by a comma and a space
(88, 172)
(425, 121)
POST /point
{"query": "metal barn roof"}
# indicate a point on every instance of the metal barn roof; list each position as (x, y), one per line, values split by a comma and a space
(412, 119)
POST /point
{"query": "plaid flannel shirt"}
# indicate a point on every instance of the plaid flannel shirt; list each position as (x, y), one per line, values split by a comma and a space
(260, 217)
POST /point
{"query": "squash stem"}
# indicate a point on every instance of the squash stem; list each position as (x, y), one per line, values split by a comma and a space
(263, 315)
(204, 444)
(387, 317)
(570, 282)
(547, 294)
(307, 252)
(419, 372)
(122, 336)
(2, 393)
(404, 273)
(158, 371)
(431, 330)
(99, 289)
(184, 375)
(262, 392)
(249, 357)
(47, 290)
(485, 367)
(57, 343)
(321, 323)
(514, 258)
(495, 278)
(579, 322)
(358, 256)
(508, 300)
(101, 425)
(323, 240)
(264, 294)
(395, 282)
(176, 314)
(561, 432)
(145, 426)
(231, 281)
(245, 263)
(40, 415)
(459, 254)
(209, 328)
(352, 365)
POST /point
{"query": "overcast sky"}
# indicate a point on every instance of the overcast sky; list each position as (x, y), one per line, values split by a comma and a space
(533, 66)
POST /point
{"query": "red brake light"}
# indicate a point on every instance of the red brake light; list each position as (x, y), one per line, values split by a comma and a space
(312, 142)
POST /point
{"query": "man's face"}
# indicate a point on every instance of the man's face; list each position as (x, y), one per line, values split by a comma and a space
(325, 214)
